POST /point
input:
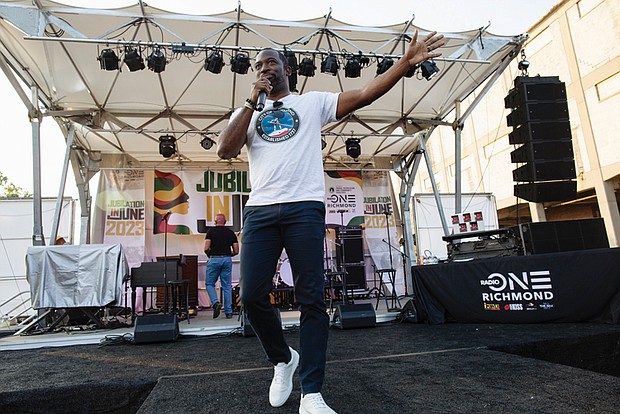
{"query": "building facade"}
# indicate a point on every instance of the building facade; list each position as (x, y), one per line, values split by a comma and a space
(577, 41)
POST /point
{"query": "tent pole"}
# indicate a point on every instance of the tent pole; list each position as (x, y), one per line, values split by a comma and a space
(458, 129)
(37, 217)
(61, 186)
(429, 167)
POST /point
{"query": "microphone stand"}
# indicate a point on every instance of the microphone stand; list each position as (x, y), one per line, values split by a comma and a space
(404, 255)
(166, 217)
(391, 270)
(345, 298)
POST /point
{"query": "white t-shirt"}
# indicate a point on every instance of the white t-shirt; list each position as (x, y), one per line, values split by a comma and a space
(284, 148)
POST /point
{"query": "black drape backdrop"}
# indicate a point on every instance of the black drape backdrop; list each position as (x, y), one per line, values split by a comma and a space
(557, 287)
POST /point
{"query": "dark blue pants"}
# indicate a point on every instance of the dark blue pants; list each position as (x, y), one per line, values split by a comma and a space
(299, 228)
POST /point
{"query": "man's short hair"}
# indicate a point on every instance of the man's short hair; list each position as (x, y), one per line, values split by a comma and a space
(283, 58)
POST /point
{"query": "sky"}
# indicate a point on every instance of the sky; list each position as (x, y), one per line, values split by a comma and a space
(506, 17)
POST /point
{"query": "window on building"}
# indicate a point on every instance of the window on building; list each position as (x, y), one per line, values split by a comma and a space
(586, 6)
(608, 87)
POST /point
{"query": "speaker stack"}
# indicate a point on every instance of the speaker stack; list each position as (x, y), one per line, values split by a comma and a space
(351, 255)
(541, 128)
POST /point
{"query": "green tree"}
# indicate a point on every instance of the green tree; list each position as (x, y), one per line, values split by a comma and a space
(8, 189)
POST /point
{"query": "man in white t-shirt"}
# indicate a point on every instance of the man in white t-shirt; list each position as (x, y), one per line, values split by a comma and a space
(286, 208)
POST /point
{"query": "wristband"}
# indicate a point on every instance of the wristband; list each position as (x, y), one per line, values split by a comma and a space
(250, 105)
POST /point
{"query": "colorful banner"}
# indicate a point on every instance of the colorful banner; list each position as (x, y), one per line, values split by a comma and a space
(380, 231)
(194, 198)
(343, 198)
(121, 197)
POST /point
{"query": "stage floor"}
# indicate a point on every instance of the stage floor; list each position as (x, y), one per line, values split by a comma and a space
(393, 368)
(201, 324)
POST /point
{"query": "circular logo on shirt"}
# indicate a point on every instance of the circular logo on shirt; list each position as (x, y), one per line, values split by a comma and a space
(277, 125)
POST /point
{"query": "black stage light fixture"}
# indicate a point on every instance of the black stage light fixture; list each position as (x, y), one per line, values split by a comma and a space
(330, 65)
(167, 146)
(214, 62)
(354, 148)
(384, 65)
(412, 70)
(429, 69)
(108, 59)
(133, 59)
(240, 63)
(207, 143)
(306, 67)
(156, 61)
(291, 61)
(353, 68)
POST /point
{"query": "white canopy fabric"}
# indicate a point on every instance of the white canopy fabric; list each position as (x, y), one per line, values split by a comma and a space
(118, 116)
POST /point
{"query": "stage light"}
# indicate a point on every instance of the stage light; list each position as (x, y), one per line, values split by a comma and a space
(240, 63)
(207, 143)
(412, 70)
(291, 61)
(108, 60)
(156, 61)
(384, 65)
(354, 148)
(133, 60)
(306, 67)
(429, 69)
(167, 146)
(353, 68)
(330, 65)
(214, 63)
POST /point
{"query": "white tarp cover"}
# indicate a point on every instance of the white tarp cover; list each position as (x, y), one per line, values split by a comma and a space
(121, 114)
(88, 275)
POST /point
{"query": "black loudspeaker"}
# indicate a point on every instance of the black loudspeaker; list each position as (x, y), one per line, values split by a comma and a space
(545, 171)
(353, 245)
(547, 88)
(540, 131)
(538, 111)
(562, 236)
(355, 316)
(539, 151)
(547, 191)
(156, 328)
(541, 125)
(356, 276)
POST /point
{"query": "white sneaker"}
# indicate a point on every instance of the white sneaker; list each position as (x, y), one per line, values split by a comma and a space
(282, 382)
(314, 404)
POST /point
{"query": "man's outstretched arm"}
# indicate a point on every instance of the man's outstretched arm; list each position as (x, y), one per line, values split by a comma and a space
(417, 51)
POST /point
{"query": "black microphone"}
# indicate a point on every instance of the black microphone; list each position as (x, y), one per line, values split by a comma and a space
(262, 97)
(167, 215)
(342, 211)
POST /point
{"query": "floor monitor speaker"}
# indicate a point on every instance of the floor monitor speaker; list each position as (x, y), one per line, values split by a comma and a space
(355, 316)
(156, 328)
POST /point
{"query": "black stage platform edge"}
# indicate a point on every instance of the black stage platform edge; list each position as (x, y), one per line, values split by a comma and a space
(121, 397)
(575, 352)
(394, 368)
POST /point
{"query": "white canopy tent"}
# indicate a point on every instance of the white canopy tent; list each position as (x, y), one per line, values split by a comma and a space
(113, 119)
